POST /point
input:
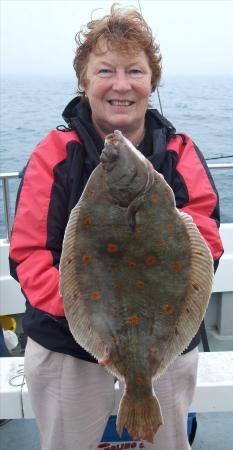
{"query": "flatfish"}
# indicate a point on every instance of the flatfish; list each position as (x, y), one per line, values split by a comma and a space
(135, 277)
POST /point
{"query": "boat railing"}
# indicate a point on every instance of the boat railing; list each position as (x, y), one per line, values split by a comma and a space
(7, 176)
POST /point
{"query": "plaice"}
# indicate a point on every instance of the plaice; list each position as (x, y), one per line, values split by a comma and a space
(135, 277)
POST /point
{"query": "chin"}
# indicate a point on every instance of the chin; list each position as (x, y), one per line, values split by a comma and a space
(121, 124)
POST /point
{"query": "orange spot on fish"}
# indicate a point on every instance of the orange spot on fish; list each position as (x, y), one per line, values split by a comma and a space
(154, 351)
(133, 320)
(112, 248)
(196, 286)
(170, 227)
(86, 259)
(160, 242)
(154, 198)
(116, 286)
(68, 260)
(151, 261)
(200, 253)
(140, 381)
(87, 223)
(114, 339)
(175, 266)
(91, 194)
(169, 309)
(138, 230)
(114, 269)
(131, 264)
(96, 295)
(140, 285)
(167, 191)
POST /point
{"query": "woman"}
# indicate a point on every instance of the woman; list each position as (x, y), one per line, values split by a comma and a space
(118, 65)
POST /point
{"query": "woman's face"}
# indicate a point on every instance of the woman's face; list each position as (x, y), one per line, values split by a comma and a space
(118, 87)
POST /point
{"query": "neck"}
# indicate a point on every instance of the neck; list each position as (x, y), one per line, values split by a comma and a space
(134, 136)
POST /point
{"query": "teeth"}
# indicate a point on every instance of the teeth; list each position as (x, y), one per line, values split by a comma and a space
(120, 102)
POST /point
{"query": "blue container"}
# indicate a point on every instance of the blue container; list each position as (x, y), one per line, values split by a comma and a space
(110, 433)
(191, 417)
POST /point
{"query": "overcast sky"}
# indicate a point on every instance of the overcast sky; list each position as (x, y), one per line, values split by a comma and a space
(195, 36)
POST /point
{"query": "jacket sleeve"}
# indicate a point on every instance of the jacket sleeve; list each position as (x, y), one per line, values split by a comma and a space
(202, 201)
(34, 261)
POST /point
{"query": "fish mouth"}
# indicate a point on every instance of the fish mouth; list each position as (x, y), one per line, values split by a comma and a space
(109, 156)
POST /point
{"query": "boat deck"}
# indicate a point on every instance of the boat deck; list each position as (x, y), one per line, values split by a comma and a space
(214, 430)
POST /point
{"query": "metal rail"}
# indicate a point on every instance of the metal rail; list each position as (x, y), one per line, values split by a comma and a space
(221, 166)
(6, 200)
(5, 177)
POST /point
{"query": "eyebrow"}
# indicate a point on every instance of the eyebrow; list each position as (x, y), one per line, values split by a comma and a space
(113, 64)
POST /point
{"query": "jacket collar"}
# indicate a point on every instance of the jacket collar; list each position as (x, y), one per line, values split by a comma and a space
(158, 131)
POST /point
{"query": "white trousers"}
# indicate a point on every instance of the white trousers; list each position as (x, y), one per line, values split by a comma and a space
(72, 400)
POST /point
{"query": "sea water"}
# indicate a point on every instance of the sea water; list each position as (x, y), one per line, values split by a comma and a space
(199, 106)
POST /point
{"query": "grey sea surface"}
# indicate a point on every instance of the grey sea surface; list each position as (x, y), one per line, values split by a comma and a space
(199, 106)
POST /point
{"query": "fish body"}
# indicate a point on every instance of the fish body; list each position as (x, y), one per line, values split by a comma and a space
(135, 277)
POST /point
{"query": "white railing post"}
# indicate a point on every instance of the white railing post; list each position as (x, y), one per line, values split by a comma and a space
(6, 201)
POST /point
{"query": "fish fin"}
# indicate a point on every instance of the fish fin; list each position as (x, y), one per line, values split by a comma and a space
(74, 306)
(142, 418)
(196, 298)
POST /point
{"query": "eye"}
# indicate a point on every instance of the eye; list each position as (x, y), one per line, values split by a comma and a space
(104, 72)
(135, 72)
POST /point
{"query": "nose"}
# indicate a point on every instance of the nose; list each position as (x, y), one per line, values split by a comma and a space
(121, 82)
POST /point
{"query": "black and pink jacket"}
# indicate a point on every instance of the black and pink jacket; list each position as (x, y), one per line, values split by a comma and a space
(52, 184)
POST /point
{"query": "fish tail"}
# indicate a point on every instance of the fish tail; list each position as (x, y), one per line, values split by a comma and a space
(142, 418)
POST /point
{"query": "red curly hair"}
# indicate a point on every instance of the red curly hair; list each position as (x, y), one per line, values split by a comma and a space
(123, 30)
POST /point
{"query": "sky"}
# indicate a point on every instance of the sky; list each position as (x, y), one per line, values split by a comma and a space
(38, 36)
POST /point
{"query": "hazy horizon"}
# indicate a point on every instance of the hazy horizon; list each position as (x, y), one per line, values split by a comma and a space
(38, 36)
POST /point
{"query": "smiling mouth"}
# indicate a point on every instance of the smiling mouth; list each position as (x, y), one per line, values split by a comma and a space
(120, 102)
